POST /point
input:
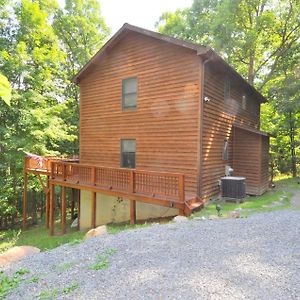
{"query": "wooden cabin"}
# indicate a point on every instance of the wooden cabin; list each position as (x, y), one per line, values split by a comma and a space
(160, 119)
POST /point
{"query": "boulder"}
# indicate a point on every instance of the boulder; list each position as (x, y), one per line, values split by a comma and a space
(180, 219)
(17, 253)
(98, 231)
(235, 214)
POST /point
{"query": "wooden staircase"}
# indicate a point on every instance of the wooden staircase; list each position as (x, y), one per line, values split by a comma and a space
(193, 204)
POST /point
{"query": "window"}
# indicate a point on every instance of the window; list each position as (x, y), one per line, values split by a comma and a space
(129, 93)
(227, 89)
(128, 153)
(225, 150)
(244, 102)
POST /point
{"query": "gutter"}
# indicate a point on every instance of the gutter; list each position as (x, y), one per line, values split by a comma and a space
(207, 55)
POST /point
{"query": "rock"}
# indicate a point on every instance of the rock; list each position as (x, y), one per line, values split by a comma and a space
(200, 218)
(100, 230)
(180, 219)
(213, 217)
(74, 223)
(235, 214)
(17, 253)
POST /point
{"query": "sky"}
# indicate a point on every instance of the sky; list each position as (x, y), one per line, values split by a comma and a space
(142, 13)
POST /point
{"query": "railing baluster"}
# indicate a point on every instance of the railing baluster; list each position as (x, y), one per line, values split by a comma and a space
(181, 188)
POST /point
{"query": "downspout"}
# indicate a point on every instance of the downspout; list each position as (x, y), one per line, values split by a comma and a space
(207, 57)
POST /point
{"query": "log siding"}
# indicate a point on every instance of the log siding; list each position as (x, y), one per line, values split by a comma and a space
(164, 122)
(219, 116)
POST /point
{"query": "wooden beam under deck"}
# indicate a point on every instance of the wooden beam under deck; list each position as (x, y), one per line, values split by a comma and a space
(132, 212)
(47, 202)
(63, 210)
(51, 211)
(25, 200)
(158, 188)
(135, 196)
(94, 199)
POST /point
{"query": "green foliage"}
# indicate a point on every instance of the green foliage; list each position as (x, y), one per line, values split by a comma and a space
(41, 47)
(5, 89)
(116, 228)
(7, 284)
(56, 292)
(102, 260)
(65, 266)
(71, 288)
(38, 236)
(260, 38)
(49, 294)
(270, 201)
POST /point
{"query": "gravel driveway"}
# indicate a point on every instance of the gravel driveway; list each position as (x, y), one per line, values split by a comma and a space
(252, 258)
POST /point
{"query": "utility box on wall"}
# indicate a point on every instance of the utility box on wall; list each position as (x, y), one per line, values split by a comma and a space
(233, 187)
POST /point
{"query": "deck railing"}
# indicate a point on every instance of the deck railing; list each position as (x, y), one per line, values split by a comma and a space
(38, 163)
(43, 163)
(148, 183)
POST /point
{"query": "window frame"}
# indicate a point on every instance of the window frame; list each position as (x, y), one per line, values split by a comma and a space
(123, 106)
(121, 152)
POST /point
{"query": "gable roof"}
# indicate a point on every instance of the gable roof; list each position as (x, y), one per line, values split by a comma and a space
(203, 51)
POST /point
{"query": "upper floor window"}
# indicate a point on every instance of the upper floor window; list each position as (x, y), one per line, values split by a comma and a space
(129, 93)
(128, 149)
(227, 88)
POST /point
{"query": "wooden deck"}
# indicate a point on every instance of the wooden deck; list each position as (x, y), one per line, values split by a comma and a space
(160, 188)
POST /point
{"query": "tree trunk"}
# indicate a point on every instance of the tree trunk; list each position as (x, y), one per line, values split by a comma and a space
(251, 68)
(292, 144)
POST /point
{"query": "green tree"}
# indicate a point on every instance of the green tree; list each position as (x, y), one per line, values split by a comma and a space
(30, 56)
(5, 89)
(260, 38)
(254, 36)
(82, 31)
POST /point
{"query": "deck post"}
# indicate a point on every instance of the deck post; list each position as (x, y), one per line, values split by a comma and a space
(63, 210)
(93, 175)
(72, 203)
(94, 198)
(47, 202)
(132, 212)
(181, 188)
(181, 192)
(132, 181)
(78, 203)
(51, 210)
(25, 198)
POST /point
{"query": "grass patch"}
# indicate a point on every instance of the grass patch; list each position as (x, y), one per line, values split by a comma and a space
(64, 267)
(287, 182)
(54, 293)
(102, 260)
(71, 288)
(49, 294)
(270, 201)
(8, 284)
(116, 228)
(38, 236)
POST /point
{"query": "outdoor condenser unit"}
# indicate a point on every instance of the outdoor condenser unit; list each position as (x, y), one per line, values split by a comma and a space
(233, 187)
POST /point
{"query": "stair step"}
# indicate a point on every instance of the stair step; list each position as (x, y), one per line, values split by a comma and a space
(195, 205)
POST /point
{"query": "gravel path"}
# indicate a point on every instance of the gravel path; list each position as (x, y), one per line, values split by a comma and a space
(253, 258)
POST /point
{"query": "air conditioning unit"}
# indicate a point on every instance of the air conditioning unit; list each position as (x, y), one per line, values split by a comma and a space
(233, 187)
